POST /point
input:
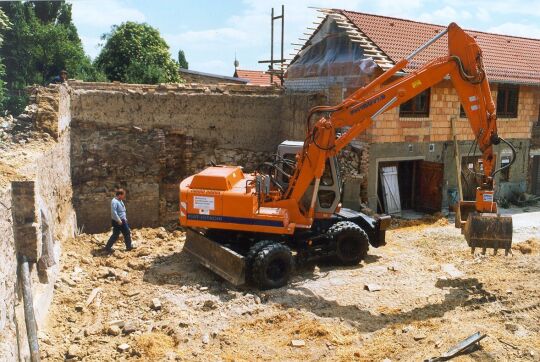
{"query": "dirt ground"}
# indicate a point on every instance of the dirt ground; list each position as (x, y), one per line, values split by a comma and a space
(433, 294)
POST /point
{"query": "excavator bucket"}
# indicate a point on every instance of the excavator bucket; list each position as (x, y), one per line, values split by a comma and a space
(221, 260)
(484, 230)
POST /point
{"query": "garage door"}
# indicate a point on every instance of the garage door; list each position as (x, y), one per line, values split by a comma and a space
(429, 186)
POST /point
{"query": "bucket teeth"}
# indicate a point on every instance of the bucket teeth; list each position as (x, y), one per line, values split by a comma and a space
(488, 231)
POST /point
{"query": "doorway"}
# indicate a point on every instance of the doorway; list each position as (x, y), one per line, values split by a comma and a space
(535, 181)
(409, 185)
(471, 170)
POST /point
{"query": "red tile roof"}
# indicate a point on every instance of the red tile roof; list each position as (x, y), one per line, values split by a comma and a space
(506, 58)
(255, 76)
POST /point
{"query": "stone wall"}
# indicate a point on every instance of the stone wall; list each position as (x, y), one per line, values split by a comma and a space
(8, 280)
(146, 139)
(36, 212)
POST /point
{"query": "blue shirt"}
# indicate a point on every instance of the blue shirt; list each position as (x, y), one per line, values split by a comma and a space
(118, 210)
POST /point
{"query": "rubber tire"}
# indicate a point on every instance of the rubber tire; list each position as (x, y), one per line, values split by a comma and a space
(252, 254)
(272, 266)
(352, 243)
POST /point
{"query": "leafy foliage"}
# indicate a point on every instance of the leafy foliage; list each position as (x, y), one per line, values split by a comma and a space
(42, 41)
(182, 60)
(4, 25)
(136, 53)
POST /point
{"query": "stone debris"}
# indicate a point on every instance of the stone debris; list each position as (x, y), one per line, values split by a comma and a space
(209, 305)
(69, 282)
(114, 331)
(406, 329)
(298, 343)
(124, 347)
(117, 322)
(73, 351)
(372, 287)
(92, 296)
(205, 338)
(129, 328)
(156, 304)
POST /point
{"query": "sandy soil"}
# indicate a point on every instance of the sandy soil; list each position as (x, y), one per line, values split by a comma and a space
(434, 293)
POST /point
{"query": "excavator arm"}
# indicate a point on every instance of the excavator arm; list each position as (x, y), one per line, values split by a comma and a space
(463, 66)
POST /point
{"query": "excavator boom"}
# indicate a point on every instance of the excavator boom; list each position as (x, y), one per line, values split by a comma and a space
(464, 66)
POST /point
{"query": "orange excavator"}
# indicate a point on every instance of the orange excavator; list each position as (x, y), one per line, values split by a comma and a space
(256, 227)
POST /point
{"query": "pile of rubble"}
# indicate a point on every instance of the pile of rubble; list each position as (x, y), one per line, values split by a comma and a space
(21, 129)
(405, 302)
(349, 163)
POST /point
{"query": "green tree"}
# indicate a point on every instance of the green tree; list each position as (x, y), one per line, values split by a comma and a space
(42, 41)
(4, 25)
(182, 60)
(136, 53)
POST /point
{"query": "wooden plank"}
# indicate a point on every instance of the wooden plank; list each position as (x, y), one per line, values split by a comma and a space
(389, 178)
(458, 160)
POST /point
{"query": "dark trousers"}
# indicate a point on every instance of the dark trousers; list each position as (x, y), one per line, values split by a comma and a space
(117, 229)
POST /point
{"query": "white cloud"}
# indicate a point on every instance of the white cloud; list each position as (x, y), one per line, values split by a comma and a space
(445, 15)
(524, 30)
(216, 67)
(104, 13)
(91, 45)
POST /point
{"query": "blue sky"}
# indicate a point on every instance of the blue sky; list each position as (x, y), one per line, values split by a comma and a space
(211, 32)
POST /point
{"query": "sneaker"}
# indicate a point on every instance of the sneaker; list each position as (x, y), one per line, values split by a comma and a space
(131, 247)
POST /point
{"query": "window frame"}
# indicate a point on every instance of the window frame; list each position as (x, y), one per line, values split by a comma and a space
(415, 113)
(506, 89)
(462, 113)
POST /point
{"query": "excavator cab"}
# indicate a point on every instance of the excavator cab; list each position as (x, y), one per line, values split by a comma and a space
(328, 195)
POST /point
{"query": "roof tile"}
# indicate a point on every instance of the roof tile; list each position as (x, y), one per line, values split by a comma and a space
(255, 76)
(506, 58)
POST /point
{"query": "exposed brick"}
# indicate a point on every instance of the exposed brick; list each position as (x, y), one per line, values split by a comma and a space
(410, 124)
(412, 138)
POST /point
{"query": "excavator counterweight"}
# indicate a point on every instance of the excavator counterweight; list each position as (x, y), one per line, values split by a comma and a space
(257, 226)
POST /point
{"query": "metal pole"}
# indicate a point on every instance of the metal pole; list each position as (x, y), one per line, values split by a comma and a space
(272, 48)
(282, 39)
(384, 108)
(29, 316)
(437, 37)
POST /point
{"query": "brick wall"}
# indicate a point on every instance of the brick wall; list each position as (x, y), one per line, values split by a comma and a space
(445, 105)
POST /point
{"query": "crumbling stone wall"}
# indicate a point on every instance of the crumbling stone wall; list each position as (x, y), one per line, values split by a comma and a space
(148, 138)
(36, 211)
(8, 277)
